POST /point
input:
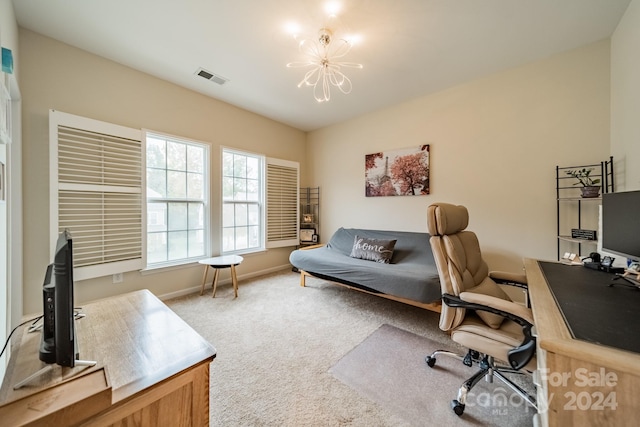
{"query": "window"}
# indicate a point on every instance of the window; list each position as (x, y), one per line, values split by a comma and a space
(177, 200)
(242, 201)
(255, 188)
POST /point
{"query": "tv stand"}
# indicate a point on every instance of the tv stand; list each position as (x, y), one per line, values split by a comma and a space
(47, 349)
(156, 367)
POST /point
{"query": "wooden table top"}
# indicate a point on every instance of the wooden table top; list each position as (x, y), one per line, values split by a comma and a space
(135, 336)
(222, 261)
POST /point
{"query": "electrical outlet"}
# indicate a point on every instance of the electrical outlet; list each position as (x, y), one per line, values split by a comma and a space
(118, 278)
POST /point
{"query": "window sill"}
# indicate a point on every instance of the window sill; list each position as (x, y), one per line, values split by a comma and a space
(169, 267)
(250, 252)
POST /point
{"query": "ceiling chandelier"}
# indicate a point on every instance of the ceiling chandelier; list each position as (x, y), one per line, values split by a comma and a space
(323, 58)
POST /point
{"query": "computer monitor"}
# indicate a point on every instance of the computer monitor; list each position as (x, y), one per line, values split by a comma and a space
(621, 224)
(58, 344)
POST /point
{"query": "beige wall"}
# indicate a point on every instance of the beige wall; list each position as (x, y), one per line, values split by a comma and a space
(495, 143)
(625, 98)
(57, 76)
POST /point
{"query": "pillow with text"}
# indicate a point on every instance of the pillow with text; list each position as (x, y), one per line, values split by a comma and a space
(377, 250)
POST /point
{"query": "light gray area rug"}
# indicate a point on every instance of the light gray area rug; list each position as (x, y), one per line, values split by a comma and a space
(388, 367)
(277, 342)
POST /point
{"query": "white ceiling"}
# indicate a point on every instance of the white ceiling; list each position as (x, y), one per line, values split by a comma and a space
(409, 48)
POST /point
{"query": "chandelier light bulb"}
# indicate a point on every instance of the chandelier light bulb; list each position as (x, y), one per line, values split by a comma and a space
(332, 8)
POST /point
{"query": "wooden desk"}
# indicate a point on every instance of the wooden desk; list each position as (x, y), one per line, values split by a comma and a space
(157, 366)
(581, 383)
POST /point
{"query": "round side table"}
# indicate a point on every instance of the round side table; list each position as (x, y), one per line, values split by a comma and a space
(225, 261)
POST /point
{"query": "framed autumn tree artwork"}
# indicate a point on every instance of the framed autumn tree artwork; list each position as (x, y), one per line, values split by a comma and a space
(403, 172)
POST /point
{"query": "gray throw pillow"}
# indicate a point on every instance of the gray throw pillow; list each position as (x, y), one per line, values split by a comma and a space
(377, 250)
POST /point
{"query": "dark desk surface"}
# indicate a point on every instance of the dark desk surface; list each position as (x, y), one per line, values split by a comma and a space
(593, 311)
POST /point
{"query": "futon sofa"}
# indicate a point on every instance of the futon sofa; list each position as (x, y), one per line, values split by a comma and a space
(356, 258)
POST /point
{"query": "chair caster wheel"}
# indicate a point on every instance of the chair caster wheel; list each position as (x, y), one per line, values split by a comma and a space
(457, 407)
(431, 361)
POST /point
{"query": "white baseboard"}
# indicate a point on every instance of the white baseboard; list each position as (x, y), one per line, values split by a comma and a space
(241, 277)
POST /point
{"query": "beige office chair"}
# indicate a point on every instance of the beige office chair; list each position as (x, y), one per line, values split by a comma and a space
(476, 311)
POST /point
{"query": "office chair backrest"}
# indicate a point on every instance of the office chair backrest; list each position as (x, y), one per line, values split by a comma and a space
(457, 255)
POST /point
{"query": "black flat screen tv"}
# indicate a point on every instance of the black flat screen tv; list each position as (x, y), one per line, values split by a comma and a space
(621, 224)
(58, 344)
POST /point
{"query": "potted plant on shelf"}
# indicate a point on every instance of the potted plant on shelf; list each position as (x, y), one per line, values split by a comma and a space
(589, 185)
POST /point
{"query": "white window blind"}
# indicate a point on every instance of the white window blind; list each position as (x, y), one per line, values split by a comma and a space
(96, 193)
(282, 203)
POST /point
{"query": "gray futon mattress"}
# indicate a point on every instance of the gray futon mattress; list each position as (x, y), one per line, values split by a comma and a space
(411, 274)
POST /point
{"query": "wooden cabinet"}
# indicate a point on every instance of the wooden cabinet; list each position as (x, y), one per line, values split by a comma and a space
(580, 383)
(156, 365)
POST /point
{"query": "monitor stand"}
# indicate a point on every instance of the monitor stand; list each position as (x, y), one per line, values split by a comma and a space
(47, 369)
(50, 360)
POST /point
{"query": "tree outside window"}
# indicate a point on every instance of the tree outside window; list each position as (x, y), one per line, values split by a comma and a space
(177, 200)
(243, 199)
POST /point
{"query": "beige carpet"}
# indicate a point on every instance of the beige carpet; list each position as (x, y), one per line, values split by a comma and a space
(277, 342)
(388, 367)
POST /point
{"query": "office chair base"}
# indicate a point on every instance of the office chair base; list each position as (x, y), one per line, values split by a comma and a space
(487, 370)
(457, 407)
(431, 359)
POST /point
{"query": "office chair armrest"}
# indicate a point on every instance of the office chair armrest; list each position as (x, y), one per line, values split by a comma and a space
(512, 279)
(507, 278)
(519, 356)
(499, 304)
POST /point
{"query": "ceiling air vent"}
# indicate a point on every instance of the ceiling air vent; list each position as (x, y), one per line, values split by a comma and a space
(210, 76)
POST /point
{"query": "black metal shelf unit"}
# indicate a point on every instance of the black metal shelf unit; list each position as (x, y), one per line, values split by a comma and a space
(568, 198)
(309, 215)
